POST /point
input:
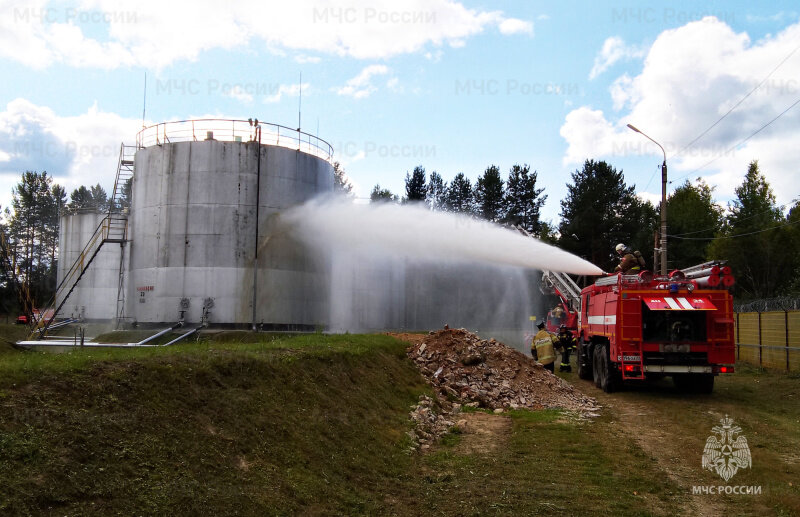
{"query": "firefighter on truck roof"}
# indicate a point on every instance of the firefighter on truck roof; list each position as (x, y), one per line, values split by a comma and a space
(543, 348)
(632, 262)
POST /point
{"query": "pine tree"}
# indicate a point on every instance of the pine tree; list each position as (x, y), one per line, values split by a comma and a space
(459, 198)
(600, 210)
(755, 240)
(415, 186)
(523, 201)
(436, 192)
(381, 195)
(341, 183)
(489, 194)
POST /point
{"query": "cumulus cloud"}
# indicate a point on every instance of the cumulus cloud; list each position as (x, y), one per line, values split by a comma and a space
(155, 34)
(614, 50)
(292, 90)
(76, 150)
(692, 76)
(239, 93)
(361, 85)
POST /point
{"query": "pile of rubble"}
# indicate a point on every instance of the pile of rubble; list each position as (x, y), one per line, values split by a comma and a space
(466, 369)
(431, 421)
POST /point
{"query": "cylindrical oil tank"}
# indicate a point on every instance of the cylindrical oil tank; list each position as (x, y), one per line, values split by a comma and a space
(193, 236)
(94, 298)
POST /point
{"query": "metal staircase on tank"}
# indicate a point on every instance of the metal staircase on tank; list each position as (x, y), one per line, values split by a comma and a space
(112, 229)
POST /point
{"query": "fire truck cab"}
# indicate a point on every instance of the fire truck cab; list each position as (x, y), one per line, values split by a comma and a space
(636, 327)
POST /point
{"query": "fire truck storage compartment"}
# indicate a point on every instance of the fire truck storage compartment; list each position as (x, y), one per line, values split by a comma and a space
(673, 326)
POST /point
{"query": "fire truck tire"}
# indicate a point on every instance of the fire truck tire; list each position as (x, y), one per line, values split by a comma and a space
(597, 375)
(703, 383)
(608, 381)
(584, 364)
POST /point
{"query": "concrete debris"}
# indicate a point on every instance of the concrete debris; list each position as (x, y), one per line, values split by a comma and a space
(474, 372)
(430, 422)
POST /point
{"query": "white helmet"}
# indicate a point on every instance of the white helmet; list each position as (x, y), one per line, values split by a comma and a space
(620, 248)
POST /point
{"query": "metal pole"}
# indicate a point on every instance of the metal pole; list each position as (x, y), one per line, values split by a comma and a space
(258, 200)
(663, 202)
(664, 216)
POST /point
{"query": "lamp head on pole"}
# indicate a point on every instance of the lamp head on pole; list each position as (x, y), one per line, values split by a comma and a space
(631, 126)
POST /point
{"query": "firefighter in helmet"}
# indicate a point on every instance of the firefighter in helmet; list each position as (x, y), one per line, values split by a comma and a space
(543, 348)
(565, 342)
(631, 263)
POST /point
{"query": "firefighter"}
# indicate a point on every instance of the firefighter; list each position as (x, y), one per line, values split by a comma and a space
(631, 262)
(565, 341)
(543, 348)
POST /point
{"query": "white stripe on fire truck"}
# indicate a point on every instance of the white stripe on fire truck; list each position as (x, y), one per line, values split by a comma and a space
(672, 303)
(603, 320)
(685, 303)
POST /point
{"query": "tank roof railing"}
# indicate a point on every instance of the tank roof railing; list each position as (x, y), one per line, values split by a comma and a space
(231, 130)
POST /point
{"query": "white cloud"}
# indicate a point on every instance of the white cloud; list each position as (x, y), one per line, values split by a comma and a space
(513, 26)
(238, 93)
(76, 150)
(692, 76)
(154, 34)
(361, 85)
(292, 90)
(614, 49)
(303, 59)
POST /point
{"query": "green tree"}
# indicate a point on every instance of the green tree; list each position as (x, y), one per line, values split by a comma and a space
(489, 194)
(793, 229)
(600, 210)
(415, 186)
(459, 198)
(437, 192)
(692, 221)
(523, 201)
(92, 198)
(33, 230)
(381, 195)
(755, 240)
(341, 183)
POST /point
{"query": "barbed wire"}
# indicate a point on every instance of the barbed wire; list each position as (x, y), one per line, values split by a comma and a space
(782, 303)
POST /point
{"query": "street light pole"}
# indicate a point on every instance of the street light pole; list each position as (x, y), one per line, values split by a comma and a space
(663, 203)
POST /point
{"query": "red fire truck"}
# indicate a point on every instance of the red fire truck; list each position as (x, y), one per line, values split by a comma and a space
(637, 327)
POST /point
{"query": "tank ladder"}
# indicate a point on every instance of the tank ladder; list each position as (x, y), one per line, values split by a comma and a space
(119, 209)
(112, 229)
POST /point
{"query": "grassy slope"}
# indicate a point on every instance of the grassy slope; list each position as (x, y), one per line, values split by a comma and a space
(309, 424)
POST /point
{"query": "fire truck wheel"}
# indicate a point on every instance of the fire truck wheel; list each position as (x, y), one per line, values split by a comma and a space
(597, 374)
(703, 383)
(584, 368)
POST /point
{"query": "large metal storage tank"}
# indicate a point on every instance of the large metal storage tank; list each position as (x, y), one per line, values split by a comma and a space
(193, 232)
(95, 296)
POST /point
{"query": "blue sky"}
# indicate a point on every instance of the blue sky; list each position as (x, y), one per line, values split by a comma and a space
(453, 86)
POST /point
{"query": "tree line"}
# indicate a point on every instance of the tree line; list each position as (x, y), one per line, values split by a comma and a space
(30, 227)
(759, 242)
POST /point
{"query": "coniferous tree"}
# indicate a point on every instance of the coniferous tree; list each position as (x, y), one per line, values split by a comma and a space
(600, 210)
(415, 186)
(459, 197)
(489, 194)
(523, 201)
(341, 184)
(755, 240)
(381, 195)
(436, 192)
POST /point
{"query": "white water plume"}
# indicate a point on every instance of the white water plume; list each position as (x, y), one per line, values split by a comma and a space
(418, 233)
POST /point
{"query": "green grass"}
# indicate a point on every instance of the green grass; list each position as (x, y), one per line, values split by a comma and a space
(269, 424)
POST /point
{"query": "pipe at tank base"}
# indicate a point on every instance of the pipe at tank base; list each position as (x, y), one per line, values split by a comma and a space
(141, 344)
